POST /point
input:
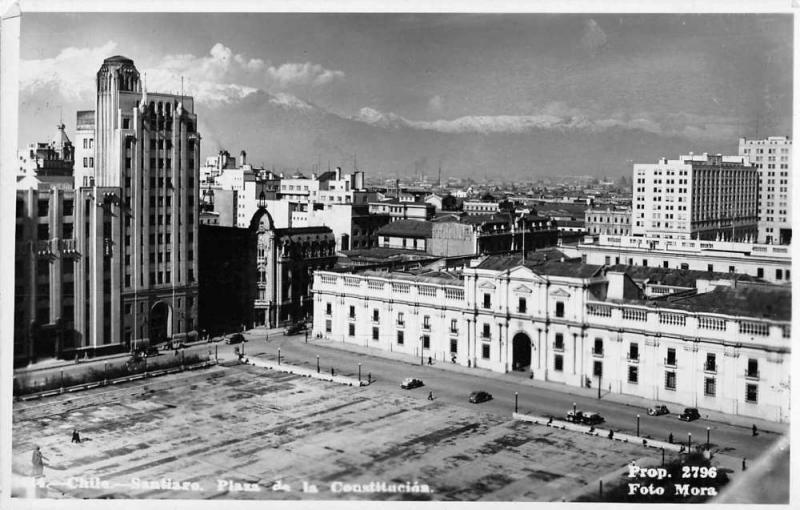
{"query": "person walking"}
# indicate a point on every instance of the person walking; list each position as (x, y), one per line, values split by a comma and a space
(76, 438)
(755, 430)
(430, 395)
(670, 439)
(430, 360)
(38, 462)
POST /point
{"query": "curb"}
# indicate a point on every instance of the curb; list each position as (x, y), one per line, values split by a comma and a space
(305, 372)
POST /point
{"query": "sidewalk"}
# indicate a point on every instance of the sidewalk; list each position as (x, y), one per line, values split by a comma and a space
(629, 400)
(51, 363)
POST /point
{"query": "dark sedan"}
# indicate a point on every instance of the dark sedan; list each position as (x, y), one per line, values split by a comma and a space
(476, 397)
(689, 414)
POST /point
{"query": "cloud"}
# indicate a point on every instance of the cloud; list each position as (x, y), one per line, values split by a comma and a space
(219, 77)
(594, 39)
(560, 117)
(72, 72)
(302, 74)
(435, 104)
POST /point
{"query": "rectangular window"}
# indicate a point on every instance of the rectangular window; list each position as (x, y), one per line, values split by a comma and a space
(328, 325)
(351, 329)
(453, 346)
(598, 347)
(558, 363)
(400, 319)
(454, 325)
(633, 352)
(670, 357)
(669, 380)
(400, 337)
(751, 393)
(487, 331)
(376, 316)
(597, 370)
(352, 312)
(710, 387)
(633, 374)
(328, 309)
(487, 300)
(485, 351)
(522, 307)
(375, 333)
(711, 362)
(426, 322)
(752, 368)
(779, 274)
(426, 341)
(559, 308)
(559, 343)
(711, 268)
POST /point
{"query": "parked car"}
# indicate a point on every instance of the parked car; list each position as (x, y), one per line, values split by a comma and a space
(584, 417)
(409, 383)
(476, 397)
(295, 328)
(235, 338)
(689, 414)
(657, 410)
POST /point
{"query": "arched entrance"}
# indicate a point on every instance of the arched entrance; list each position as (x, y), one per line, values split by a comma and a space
(160, 320)
(521, 352)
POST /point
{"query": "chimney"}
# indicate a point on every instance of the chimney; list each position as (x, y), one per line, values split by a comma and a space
(242, 158)
(338, 173)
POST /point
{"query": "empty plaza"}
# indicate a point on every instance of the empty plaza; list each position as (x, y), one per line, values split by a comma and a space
(241, 432)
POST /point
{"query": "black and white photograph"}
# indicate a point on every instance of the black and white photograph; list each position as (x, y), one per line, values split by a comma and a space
(351, 255)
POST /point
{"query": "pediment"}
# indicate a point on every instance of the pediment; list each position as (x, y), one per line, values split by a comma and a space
(486, 285)
(522, 289)
(560, 293)
(525, 274)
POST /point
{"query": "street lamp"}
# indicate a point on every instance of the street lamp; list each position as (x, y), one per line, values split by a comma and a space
(574, 408)
(516, 401)
(690, 442)
(637, 425)
(421, 347)
(279, 355)
(359, 372)
(708, 438)
(317, 363)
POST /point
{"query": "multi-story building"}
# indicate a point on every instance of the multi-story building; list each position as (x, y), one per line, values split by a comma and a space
(727, 349)
(403, 210)
(772, 263)
(696, 197)
(133, 243)
(773, 158)
(608, 221)
(55, 158)
(84, 148)
(481, 207)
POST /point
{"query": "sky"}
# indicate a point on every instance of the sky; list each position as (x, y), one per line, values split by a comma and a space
(477, 94)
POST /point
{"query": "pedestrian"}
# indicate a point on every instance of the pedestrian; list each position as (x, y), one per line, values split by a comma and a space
(670, 438)
(744, 464)
(611, 434)
(38, 462)
(453, 358)
(331, 371)
(369, 377)
(76, 438)
(430, 395)
(430, 360)
(755, 430)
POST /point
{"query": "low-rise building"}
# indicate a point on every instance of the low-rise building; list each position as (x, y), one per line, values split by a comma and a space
(608, 221)
(727, 349)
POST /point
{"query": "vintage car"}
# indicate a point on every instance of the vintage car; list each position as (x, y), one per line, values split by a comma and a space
(657, 410)
(409, 383)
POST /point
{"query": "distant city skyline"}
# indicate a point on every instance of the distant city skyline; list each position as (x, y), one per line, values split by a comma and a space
(506, 96)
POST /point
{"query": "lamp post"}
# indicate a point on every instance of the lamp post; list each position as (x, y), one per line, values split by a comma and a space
(359, 372)
(708, 438)
(599, 384)
(279, 355)
(574, 408)
(421, 353)
(690, 442)
(317, 363)
(516, 401)
(637, 425)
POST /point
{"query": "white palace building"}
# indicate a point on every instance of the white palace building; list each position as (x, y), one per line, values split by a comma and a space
(722, 344)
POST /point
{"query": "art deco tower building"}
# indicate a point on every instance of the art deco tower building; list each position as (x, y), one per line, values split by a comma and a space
(141, 214)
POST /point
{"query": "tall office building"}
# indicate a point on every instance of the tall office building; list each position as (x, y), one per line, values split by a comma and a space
(696, 197)
(128, 263)
(773, 159)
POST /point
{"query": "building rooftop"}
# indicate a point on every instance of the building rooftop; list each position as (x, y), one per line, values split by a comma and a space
(407, 228)
(678, 277)
(428, 277)
(303, 230)
(763, 302)
(545, 262)
(380, 254)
